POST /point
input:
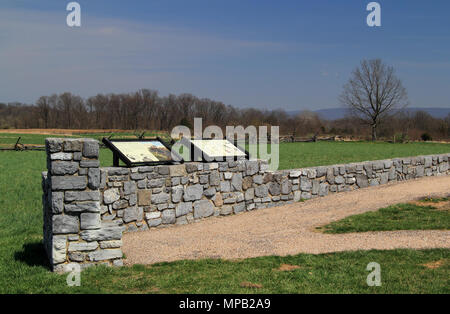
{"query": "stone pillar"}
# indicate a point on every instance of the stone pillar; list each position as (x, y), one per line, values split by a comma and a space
(73, 231)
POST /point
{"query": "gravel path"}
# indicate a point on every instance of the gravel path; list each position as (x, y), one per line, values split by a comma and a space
(290, 229)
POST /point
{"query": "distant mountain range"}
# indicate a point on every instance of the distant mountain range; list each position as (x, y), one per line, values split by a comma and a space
(339, 113)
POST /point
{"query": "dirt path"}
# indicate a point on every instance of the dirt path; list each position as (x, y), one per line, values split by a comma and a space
(289, 229)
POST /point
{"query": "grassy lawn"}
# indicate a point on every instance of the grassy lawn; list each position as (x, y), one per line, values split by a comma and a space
(292, 155)
(402, 271)
(23, 267)
(298, 155)
(428, 214)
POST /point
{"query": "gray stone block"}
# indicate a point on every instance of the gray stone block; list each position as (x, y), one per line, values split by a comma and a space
(137, 176)
(156, 183)
(53, 145)
(183, 209)
(209, 192)
(305, 184)
(274, 188)
(378, 165)
(92, 207)
(94, 178)
(193, 192)
(72, 145)
(203, 208)
(57, 201)
(226, 210)
(261, 191)
(71, 196)
(68, 183)
(384, 178)
(120, 204)
(258, 179)
(214, 178)
(295, 173)
(129, 187)
(250, 194)
(90, 148)
(61, 156)
(225, 186)
(305, 195)
(111, 244)
(392, 174)
(63, 224)
(236, 182)
(102, 234)
(362, 181)
(59, 253)
(286, 187)
(132, 214)
(191, 167)
(77, 156)
(90, 221)
(339, 180)
(110, 196)
(89, 164)
(239, 208)
(177, 194)
(315, 187)
(163, 170)
(252, 167)
(117, 171)
(154, 222)
(77, 256)
(168, 216)
(132, 199)
(159, 198)
(64, 167)
(83, 246)
(107, 254)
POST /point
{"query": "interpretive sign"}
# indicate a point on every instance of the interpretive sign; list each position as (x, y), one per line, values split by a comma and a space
(214, 149)
(140, 151)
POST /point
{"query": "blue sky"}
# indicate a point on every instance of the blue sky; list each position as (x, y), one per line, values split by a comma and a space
(249, 53)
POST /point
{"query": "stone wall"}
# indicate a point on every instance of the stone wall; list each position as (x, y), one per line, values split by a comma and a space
(86, 208)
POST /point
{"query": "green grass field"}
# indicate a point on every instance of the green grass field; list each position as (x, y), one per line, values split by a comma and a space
(298, 155)
(424, 215)
(23, 267)
(292, 155)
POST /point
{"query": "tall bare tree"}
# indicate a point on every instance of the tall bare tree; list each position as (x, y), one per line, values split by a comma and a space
(373, 92)
(44, 110)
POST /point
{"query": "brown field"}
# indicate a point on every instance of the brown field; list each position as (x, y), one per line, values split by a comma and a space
(64, 131)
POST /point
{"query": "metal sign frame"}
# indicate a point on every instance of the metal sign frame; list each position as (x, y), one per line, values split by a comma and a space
(205, 157)
(117, 154)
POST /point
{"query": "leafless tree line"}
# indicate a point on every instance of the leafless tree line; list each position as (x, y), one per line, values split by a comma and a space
(146, 110)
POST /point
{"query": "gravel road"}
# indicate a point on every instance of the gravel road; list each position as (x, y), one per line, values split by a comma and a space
(290, 229)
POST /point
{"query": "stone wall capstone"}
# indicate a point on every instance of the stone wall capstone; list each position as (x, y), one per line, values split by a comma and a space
(86, 208)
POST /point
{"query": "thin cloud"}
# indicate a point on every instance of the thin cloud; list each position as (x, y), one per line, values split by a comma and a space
(40, 54)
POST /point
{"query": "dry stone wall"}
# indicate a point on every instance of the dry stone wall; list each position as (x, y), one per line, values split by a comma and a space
(87, 208)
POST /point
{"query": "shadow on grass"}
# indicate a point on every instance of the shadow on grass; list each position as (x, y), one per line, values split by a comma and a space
(33, 254)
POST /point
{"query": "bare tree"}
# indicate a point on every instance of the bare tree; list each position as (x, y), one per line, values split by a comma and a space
(373, 92)
(44, 109)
